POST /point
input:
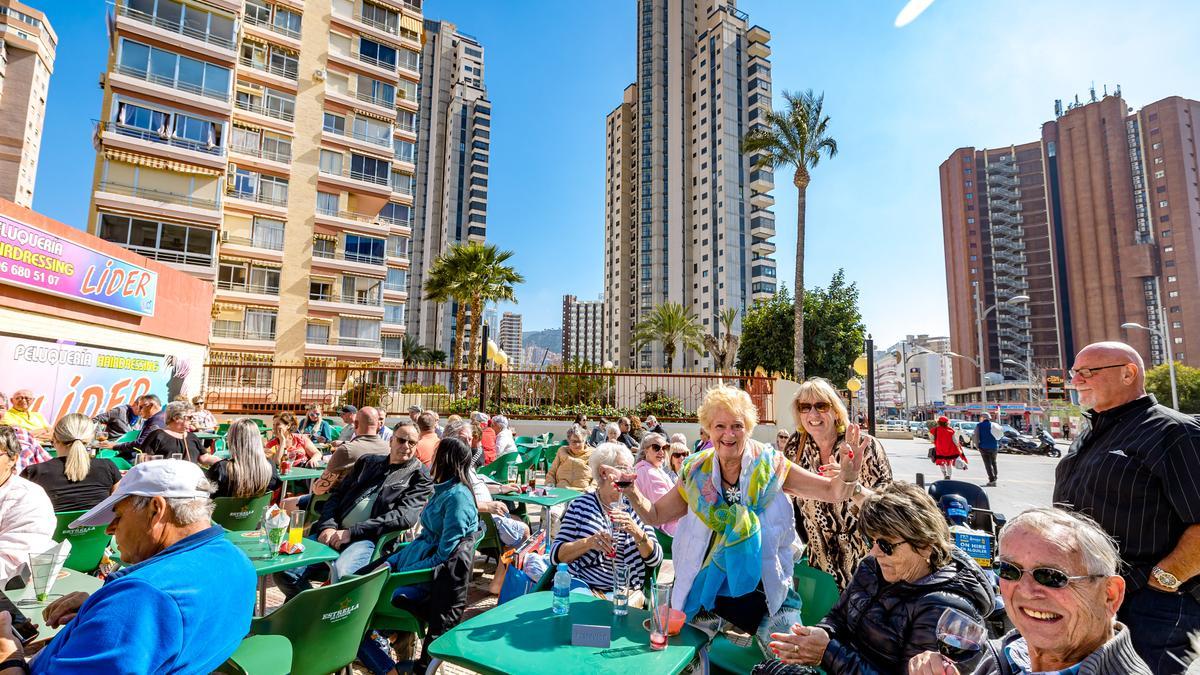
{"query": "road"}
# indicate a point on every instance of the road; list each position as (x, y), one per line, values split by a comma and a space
(1025, 480)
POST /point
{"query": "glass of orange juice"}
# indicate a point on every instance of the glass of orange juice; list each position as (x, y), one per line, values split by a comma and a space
(296, 530)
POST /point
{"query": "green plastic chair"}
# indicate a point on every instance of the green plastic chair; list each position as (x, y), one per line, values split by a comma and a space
(498, 469)
(817, 589)
(548, 455)
(259, 655)
(223, 428)
(87, 543)
(129, 436)
(528, 461)
(665, 540)
(122, 463)
(325, 625)
(525, 440)
(389, 617)
(106, 454)
(382, 543)
(240, 514)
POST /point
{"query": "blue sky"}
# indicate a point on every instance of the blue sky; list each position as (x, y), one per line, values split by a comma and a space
(967, 72)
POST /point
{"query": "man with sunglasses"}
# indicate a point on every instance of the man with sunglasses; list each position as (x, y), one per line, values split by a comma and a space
(1135, 469)
(1059, 580)
(21, 415)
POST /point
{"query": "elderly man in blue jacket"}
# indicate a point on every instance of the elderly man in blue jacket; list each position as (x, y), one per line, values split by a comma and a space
(160, 613)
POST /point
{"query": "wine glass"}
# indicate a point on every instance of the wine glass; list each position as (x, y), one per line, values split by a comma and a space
(959, 636)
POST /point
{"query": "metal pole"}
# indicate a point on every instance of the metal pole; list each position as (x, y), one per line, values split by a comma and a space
(1029, 374)
(483, 355)
(1166, 334)
(904, 367)
(979, 334)
(870, 347)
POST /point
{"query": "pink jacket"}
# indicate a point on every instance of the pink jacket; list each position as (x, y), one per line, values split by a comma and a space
(654, 483)
(26, 523)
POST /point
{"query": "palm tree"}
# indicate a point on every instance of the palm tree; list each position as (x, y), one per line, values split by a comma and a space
(412, 352)
(669, 324)
(436, 357)
(723, 350)
(796, 137)
(490, 280)
(447, 283)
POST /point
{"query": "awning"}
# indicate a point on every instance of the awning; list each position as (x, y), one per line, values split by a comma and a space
(257, 263)
(319, 319)
(324, 237)
(374, 116)
(360, 316)
(159, 163)
(413, 24)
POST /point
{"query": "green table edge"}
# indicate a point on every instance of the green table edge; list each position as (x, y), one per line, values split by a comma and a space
(314, 552)
(554, 497)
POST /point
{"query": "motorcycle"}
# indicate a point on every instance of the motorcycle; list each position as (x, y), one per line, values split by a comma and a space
(1018, 444)
(1046, 445)
(974, 527)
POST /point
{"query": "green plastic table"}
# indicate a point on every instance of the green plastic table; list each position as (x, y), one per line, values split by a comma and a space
(248, 543)
(554, 497)
(69, 581)
(299, 473)
(524, 636)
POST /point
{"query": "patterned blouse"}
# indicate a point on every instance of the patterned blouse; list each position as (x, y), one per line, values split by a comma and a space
(835, 544)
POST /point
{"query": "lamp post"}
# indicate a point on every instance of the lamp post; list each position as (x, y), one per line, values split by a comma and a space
(979, 317)
(1028, 368)
(1165, 335)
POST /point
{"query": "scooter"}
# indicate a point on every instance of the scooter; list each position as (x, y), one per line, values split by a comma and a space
(1046, 445)
(974, 530)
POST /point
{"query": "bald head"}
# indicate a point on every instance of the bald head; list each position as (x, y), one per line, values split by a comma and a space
(366, 421)
(1117, 375)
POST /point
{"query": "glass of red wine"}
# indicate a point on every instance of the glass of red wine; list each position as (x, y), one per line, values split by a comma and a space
(959, 636)
(625, 479)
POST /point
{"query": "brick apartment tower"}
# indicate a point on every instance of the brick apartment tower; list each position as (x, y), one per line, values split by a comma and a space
(27, 48)
(1108, 215)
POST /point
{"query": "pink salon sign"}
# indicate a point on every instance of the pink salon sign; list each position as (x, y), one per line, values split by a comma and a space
(33, 258)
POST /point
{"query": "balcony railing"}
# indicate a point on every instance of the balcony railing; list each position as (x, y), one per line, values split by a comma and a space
(270, 241)
(273, 68)
(370, 343)
(159, 195)
(404, 187)
(362, 300)
(374, 100)
(396, 222)
(350, 256)
(177, 257)
(385, 142)
(241, 332)
(359, 176)
(146, 75)
(257, 196)
(175, 27)
(165, 139)
(377, 25)
(247, 287)
(393, 354)
(271, 155)
(398, 288)
(264, 110)
(282, 30)
(406, 127)
(372, 61)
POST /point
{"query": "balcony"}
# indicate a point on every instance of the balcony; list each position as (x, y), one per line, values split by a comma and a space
(163, 139)
(260, 109)
(348, 262)
(281, 30)
(170, 83)
(380, 101)
(174, 257)
(267, 241)
(761, 200)
(288, 74)
(358, 299)
(381, 142)
(242, 332)
(261, 153)
(219, 41)
(258, 196)
(762, 180)
(358, 181)
(761, 226)
(247, 287)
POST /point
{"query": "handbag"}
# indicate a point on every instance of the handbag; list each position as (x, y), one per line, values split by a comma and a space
(932, 454)
(960, 463)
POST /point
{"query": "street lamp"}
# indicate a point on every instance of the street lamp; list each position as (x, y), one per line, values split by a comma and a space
(1165, 336)
(1028, 368)
(979, 317)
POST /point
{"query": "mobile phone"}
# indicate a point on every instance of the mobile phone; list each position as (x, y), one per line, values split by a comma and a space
(19, 580)
(25, 629)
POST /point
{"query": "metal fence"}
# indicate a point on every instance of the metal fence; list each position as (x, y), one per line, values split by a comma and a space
(266, 388)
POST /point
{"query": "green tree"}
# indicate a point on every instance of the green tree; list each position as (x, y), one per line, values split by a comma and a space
(447, 283)
(1187, 382)
(671, 325)
(723, 349)
(436, 357)
(412, 352)
(766, 338)
(834, 330)
(833, 323)
(795, 137)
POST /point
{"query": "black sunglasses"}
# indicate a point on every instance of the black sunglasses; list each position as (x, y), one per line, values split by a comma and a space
(1046, 576)
(1087, 373)
(655, 447)
(821, 407)
(888, 547)
(679, 454)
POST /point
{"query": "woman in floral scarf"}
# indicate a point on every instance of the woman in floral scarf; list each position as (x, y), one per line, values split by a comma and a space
(733, 551)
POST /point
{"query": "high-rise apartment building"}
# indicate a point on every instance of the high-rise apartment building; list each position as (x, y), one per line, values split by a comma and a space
(511, 339)
(27, 48)
(269, 146)
(1097, 224)
(452, 168)
(583, 330)
(687, 216)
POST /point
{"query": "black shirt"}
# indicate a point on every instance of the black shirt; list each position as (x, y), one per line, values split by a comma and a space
(68, 495)
(1135, 469)
(161, 442)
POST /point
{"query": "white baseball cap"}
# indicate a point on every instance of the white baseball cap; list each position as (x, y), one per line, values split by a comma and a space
(172, 478)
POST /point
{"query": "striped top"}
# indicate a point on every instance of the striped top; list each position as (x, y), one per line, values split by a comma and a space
(584, 517)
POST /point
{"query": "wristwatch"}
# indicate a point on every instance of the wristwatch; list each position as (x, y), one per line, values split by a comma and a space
(1166, 579)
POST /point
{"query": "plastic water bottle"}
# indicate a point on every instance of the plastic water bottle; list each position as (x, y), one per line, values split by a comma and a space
(562, 591)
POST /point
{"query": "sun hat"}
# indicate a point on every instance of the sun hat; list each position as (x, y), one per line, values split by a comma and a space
(171, 478)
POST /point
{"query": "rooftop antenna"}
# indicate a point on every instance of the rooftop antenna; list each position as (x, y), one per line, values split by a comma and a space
(1058, 111)
(1093, 91)
(1106, 91)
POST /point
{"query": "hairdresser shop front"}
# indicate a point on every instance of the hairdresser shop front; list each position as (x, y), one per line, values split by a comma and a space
(87, 325)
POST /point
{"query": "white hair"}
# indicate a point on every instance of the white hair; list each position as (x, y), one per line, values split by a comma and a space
(185, 510)
(608, 454)
(500, 421)
(1098, 549)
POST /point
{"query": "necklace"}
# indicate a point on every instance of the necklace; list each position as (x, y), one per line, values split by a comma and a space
(733, 491)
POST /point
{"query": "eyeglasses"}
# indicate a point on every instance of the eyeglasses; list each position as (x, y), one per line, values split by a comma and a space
(1046, 576)
(405, 441)
(22, 398)
(1087, 373)
(820, 406)
(888, 547)
(678, 455)
(655, 447)
(783, 436)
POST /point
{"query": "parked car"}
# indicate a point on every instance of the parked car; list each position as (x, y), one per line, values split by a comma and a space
(963, 429)
(918, 429)
(895, 425)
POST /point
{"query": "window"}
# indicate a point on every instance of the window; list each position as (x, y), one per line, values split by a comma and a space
(409, 59)
(331, 162)
(397, 279)
(358, 332)
(335, 124)
(406, 120)
(381, 18)
(1162, 203)
(1160, 173)
(364, 249)
(173, 70)
(165, 242)
(324, 248)
(370, 169)
(1173, 294)
(1156, 146)
(277, 148)
(317, 334)
(373, 131)
(288, 22)
(247, 140)
(1178, 340)
(376, 92)
(264, 280)
(407, 90)
(1171, 279)
(393, 312)
(396, 214)
(260, 324)
(320, 290)
(970, 196)
(327, 203)
(376, 54)
(361, 290)
(267, 233)
(398, 246)
(406, 151)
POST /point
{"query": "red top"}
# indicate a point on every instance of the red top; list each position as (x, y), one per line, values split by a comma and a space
(943, 443)
(489, 444)
(296, 451)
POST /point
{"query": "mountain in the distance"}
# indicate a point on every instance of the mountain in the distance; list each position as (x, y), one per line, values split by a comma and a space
(549, 339)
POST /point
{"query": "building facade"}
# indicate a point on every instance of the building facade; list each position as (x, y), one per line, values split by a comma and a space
(27, 48)
(583, 331)
(270, 148)
(452, 169)
(687, 217)
(1095, 223)
(511, 340)
(913, 376)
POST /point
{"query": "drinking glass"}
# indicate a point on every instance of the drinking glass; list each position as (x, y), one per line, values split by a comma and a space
(660, 616)
(41, 572)
(512, 473)
(275, 537)
(959, 636)
(531, 479)
(296, 530)
(176, 455)
(620, 589)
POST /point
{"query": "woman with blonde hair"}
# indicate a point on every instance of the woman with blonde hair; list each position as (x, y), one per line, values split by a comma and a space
(73, 480)
(247, 472)
(835, 543)
(733, 550)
